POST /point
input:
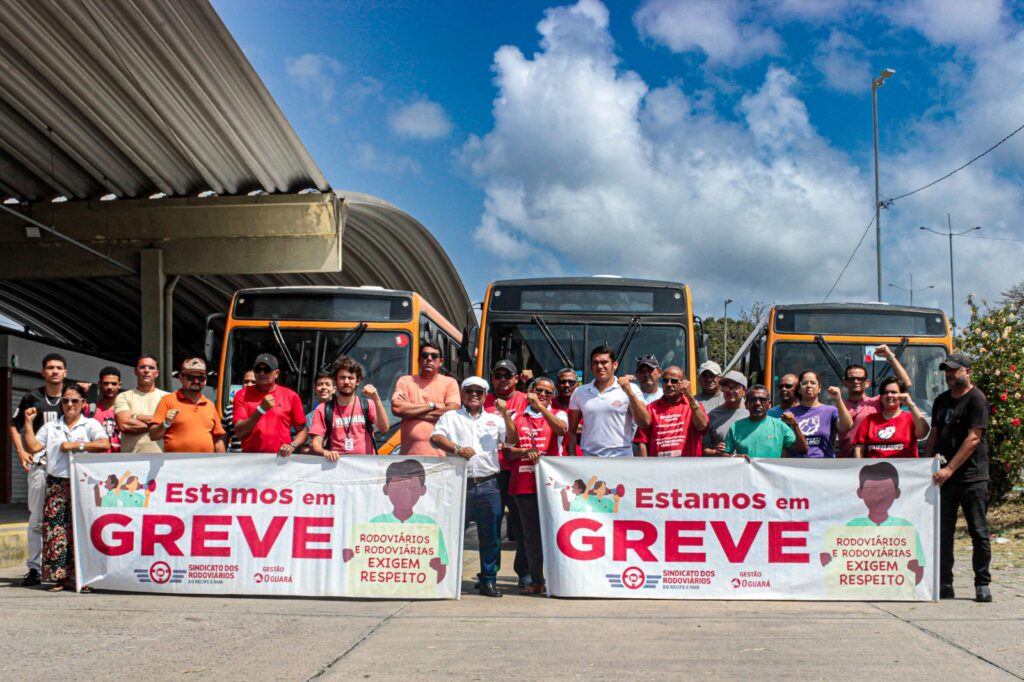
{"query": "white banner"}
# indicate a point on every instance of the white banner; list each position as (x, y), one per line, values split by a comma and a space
(365, 526)
(726, 528)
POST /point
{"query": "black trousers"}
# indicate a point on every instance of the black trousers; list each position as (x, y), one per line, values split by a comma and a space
(973, 499)
(529, 515)
(513, 526)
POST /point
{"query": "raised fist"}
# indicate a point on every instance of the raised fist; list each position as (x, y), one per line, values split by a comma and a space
(370, 391)
(268, 402)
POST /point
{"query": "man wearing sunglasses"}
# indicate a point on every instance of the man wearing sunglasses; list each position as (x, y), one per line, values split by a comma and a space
(762, 436)
(677, 420)
(720, 419)
(565, 386)
(186, 420)
(789, 395)
(134, 408)
(419, 400)
(860, 406)
(266, 414)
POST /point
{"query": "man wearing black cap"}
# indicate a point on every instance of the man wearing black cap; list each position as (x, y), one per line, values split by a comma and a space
(266, 413)
(648, 371)
(504, 378)
(959, 421)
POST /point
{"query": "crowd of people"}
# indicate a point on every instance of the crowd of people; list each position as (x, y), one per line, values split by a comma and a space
(502, 431)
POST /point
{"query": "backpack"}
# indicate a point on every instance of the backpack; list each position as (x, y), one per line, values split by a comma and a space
(367, 423)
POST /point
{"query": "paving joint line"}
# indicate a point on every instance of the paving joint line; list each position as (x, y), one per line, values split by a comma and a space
(320, 673)
(950, 642)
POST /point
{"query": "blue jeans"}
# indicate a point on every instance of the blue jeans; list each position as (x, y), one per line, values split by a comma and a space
(483, 505)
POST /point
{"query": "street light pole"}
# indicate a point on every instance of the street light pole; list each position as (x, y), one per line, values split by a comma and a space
(952, 285)
(875, 84)
(911, 290)
(725, 332)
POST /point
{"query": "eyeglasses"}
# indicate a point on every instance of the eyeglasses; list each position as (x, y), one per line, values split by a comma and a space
(859, 379)
(543, 391)
(502, 376)
(196, 377)
(430, 356)
(671, 382)
(787, 385)
(566, 382)
(71, 401)
(262, 369)
(473, 391)
(757, 399)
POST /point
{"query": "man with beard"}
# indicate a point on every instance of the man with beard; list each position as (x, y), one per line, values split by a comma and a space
(345, 424)
(109, 387)
(858, 404)
(186, 420)
(959, 421)
(266, 414)
(677, 420)
(720, 419)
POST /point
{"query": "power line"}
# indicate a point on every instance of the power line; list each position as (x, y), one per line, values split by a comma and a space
(995, 239)
(886, 203)
(850, 260)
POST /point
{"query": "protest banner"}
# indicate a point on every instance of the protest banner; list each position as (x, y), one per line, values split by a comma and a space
(364, 526)
(728, 528)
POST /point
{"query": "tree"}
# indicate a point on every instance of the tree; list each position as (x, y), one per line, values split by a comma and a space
(995, 339)
(739, 330)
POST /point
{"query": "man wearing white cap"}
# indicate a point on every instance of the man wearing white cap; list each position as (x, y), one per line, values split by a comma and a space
(475, 435)
(710, 395)
(733, 389)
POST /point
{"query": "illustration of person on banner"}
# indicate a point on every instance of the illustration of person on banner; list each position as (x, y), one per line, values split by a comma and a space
(874, 550)
(592, 496)
(395, 551)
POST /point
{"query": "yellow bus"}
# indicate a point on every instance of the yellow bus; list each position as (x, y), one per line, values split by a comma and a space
(827, 337)
(308, 327)
(544, 325)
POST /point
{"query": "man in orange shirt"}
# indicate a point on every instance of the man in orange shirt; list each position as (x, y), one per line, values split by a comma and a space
(185, 419)
(419, 400)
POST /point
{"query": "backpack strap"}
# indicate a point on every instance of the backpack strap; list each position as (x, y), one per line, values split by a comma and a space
(367, 423)
(328, 422)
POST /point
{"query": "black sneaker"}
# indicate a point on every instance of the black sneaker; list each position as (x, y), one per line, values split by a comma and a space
(982, 593)
(946, 592)
(31, 579)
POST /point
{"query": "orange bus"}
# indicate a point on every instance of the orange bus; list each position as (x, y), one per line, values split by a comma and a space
(544, 325)
(308, 327)
(826, 337)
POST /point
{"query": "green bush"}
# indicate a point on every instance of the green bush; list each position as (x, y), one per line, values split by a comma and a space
(995, 338)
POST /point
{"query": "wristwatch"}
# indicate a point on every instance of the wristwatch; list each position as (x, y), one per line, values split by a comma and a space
(81, 447)
(432, 406)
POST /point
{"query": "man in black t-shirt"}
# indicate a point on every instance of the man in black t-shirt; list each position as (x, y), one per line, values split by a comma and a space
(46, 400)
(959, 421)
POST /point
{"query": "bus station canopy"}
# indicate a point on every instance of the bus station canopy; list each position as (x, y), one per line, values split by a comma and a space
(144, 167)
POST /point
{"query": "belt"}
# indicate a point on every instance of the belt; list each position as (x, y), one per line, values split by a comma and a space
(477, 480)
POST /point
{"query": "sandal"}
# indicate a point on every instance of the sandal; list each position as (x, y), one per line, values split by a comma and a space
(59, 587)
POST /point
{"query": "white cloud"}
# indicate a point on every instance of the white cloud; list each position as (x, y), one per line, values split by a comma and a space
(839, 60)
(718, 28)
(316, 75)
(948, 22)
(421, 120)
(371, 158)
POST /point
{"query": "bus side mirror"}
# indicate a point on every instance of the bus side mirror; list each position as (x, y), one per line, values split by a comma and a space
(208, 344)
(702, 351)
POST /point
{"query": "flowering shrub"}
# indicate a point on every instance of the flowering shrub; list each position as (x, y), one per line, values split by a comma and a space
(995, 339)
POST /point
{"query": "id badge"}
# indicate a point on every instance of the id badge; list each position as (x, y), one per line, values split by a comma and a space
(350, 444)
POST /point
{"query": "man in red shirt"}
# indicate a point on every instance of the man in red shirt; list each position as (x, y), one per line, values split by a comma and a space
(858, 403)
(266, 413)
(351, 431)
(504, 377)
(677, 420)
(565, 385)
(109, 387)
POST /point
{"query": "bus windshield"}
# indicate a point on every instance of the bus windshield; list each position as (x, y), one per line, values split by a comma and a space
(921, 362)
(526, 344)
(384, 355)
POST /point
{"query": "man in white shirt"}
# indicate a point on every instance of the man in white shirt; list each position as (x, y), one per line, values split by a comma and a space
(475, 435)
(611, 409)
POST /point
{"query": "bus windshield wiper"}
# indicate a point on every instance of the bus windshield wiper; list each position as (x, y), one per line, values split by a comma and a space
(352, 339)
(275, 329)
(631, 331)
(833, 361)
(898, 354)
(545, 331)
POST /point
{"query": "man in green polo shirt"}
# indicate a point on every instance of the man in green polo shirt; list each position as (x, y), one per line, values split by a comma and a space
(760, 435)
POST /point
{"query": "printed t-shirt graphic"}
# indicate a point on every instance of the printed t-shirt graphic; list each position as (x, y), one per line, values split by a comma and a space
(883, 437)
(350, 434)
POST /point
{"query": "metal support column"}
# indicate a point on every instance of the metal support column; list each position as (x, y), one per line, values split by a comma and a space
(151, 283)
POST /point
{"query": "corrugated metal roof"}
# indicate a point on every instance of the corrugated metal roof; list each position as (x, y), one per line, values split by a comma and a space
(134, 97)
(383, 245)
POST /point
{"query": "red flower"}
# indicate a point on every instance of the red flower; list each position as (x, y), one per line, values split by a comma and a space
(1003, 397)
(995, 410)
(1013, 368)
(1015, 422)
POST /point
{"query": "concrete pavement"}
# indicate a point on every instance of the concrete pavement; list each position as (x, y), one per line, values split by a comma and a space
(112, 635)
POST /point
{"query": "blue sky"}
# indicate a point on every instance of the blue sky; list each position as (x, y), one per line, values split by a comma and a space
(725, 144)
